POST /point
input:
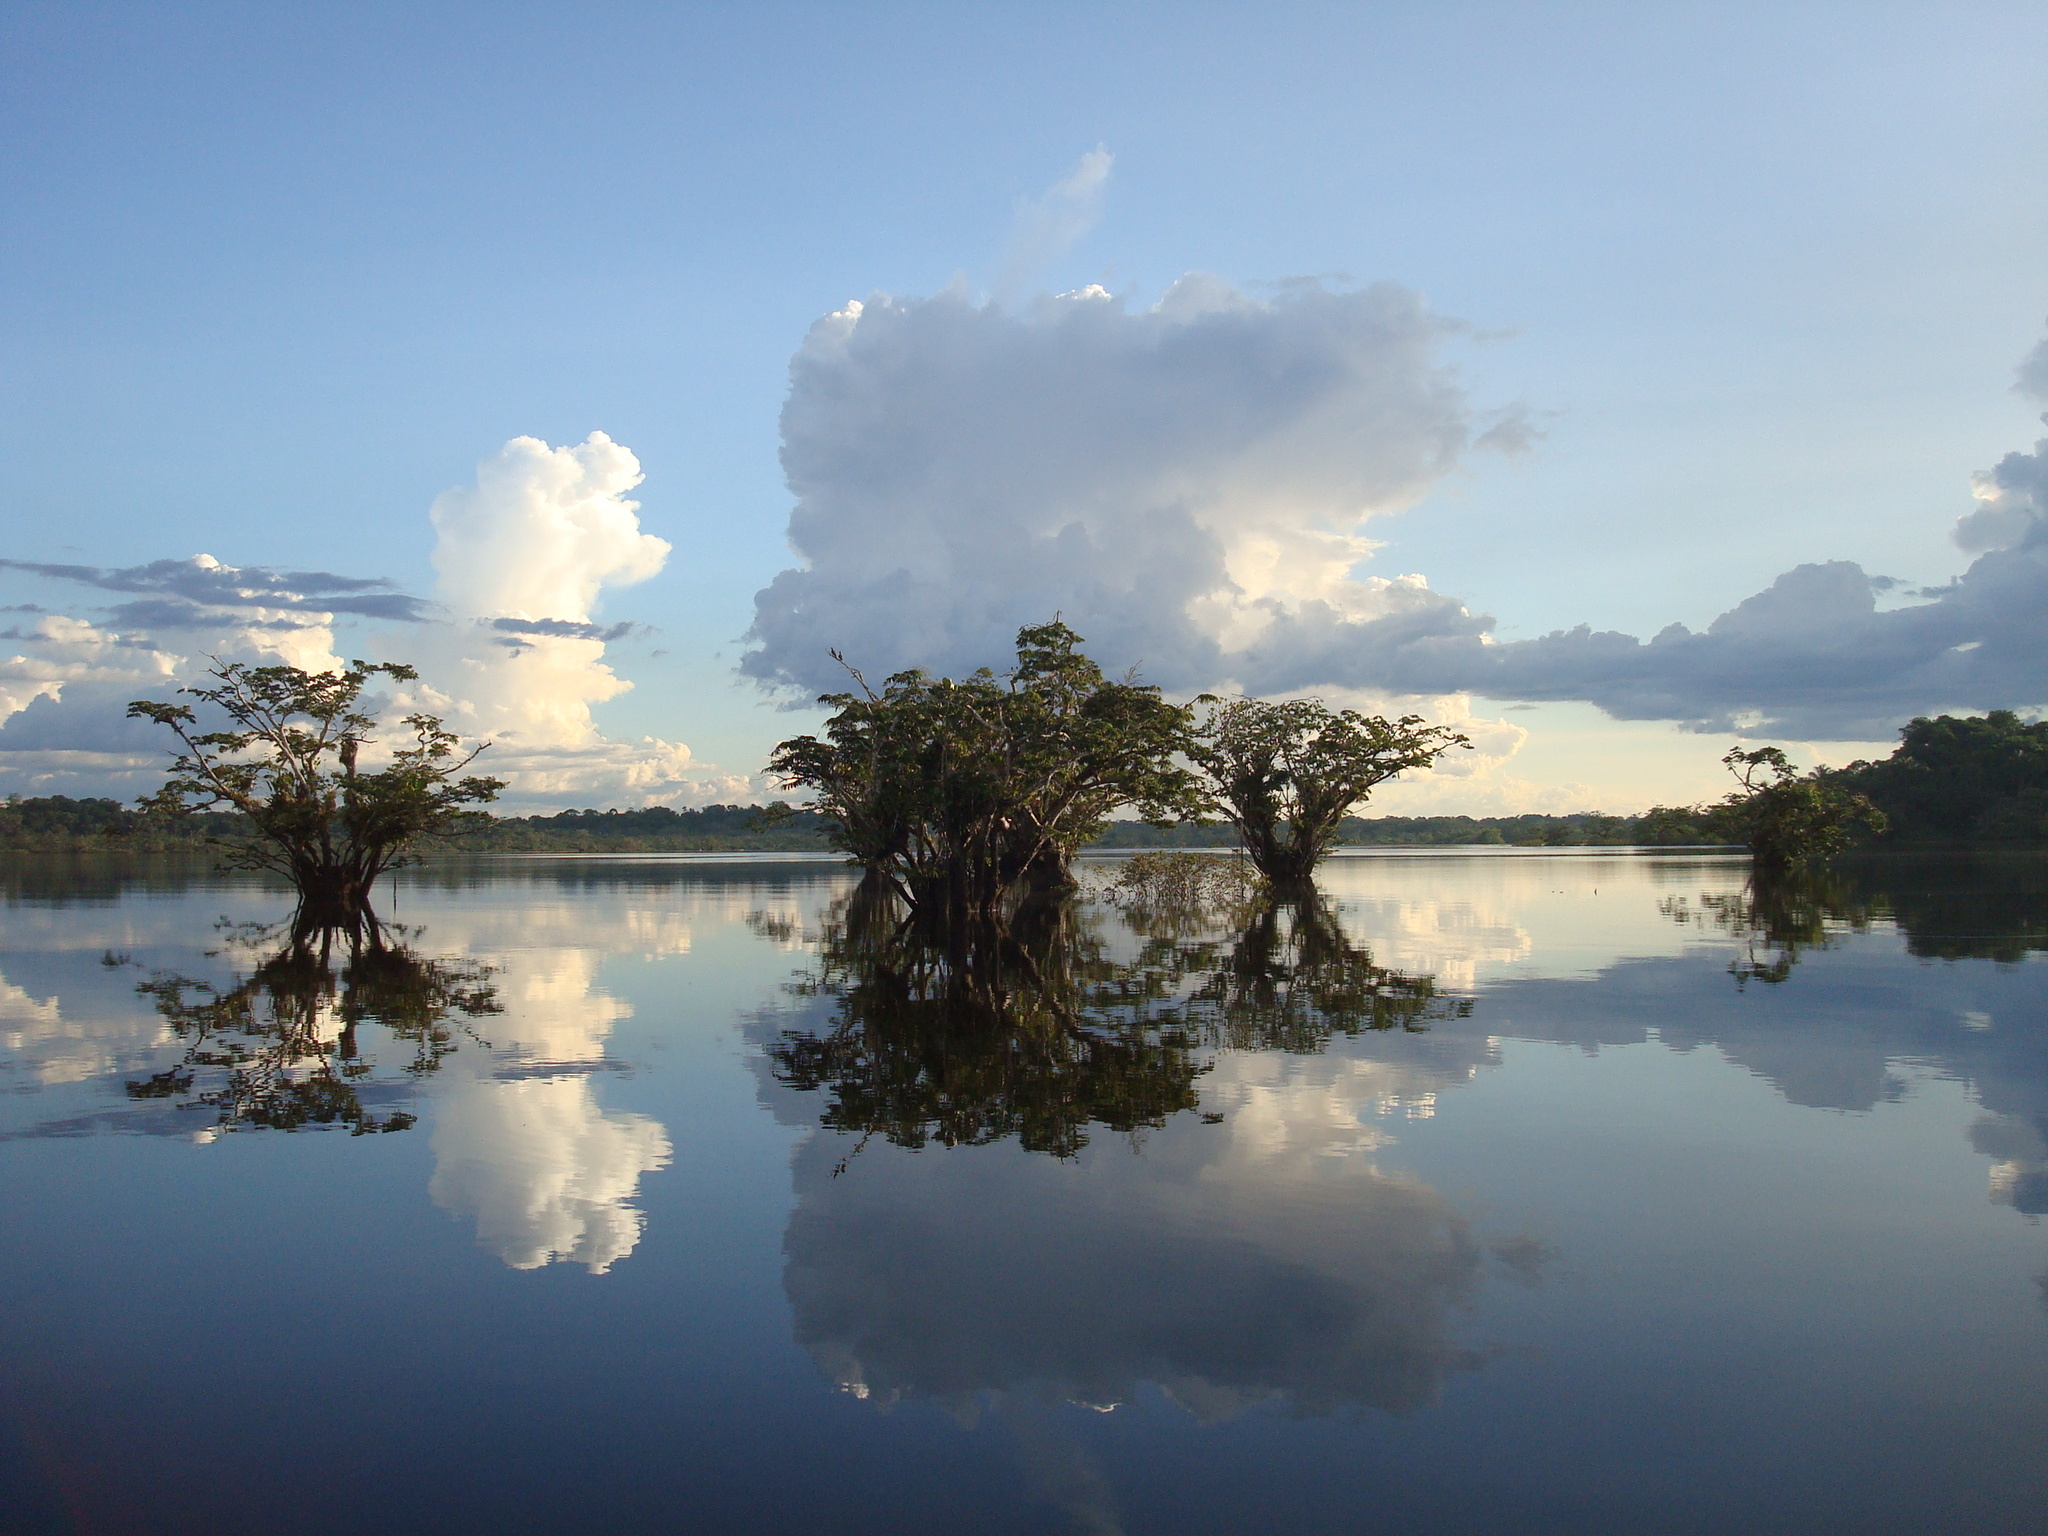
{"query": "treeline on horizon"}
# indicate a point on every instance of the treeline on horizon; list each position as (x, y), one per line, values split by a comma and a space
(1952, 781)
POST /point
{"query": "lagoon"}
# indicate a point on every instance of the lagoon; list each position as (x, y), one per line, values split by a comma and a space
(1571, 1192)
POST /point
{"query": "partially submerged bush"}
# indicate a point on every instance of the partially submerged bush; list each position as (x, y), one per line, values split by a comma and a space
(1162, 880)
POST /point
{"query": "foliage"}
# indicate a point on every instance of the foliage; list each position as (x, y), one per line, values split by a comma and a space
(656, 829)
(1984, 906)
(982, 1039)
(1790, 819)
(1957, 779)
(281, 1050)
(1161, 882)
(1286, 774)
(1659, 826)
(957, 793)
(290, 765)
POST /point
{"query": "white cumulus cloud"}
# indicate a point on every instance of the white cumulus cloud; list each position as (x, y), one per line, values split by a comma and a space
(1187, 484)
(512, 654)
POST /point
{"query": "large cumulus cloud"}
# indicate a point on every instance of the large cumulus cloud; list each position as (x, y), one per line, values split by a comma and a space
(1188, 485)
(1185, 483)
(523, 557)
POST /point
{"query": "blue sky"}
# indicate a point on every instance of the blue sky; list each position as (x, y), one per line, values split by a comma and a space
(276, 279)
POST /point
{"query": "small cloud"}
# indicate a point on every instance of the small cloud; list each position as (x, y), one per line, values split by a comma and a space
(569, 629)
(1047, 226)
(170, 613)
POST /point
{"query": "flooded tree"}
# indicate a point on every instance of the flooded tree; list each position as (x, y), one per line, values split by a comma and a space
(1293, 980)
(290, 763)
(1286, 774)
(958, 795)
(1790, 819)
(281, 1049)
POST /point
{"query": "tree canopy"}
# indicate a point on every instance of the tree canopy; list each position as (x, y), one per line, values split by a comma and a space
(281, 1048)
(1961, 779)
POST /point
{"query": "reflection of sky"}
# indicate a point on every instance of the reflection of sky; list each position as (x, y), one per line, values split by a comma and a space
(524, 1146)
(1749, 1216)
(980, 1270)
(1474, 919)
(543, 1169)
(1267, 1258)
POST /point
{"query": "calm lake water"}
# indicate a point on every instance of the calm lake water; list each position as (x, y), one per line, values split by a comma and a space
(1513, 1192)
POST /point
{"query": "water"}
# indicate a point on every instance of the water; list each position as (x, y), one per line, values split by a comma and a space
(641, 1200)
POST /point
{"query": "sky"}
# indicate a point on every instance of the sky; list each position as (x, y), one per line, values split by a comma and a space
(615, 362)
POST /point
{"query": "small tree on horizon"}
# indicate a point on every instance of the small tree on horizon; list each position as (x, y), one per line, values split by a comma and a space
(289, 763)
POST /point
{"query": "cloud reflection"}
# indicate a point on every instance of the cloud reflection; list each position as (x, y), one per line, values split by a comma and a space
(545, 1171)
(1223, 1265)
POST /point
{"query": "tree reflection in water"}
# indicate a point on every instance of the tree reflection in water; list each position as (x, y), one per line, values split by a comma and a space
(1038, 1031)
(1264, 1259)
(1980, 907)
(1775, 918)
(280, 1049)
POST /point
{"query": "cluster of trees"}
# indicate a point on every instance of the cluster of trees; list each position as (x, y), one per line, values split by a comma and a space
(959, 795)
(1660, 828)
(58, 821)
(654, 829)
(1959, 779)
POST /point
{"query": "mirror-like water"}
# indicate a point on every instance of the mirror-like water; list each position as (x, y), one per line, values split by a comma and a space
(1509, 1192)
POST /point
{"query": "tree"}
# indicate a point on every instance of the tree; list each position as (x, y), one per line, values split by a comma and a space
(957, 794)
(1790, 819)
(1286, 774)
(290, 764)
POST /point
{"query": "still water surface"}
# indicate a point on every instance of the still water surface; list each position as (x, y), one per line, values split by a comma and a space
(1547, 1193)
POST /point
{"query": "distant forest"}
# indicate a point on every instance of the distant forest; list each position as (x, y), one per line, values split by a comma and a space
(1953, 781)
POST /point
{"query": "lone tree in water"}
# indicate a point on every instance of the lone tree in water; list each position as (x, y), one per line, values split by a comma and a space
(1286, 774)
(958, 794)
(289, 764)
(1790, 819)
